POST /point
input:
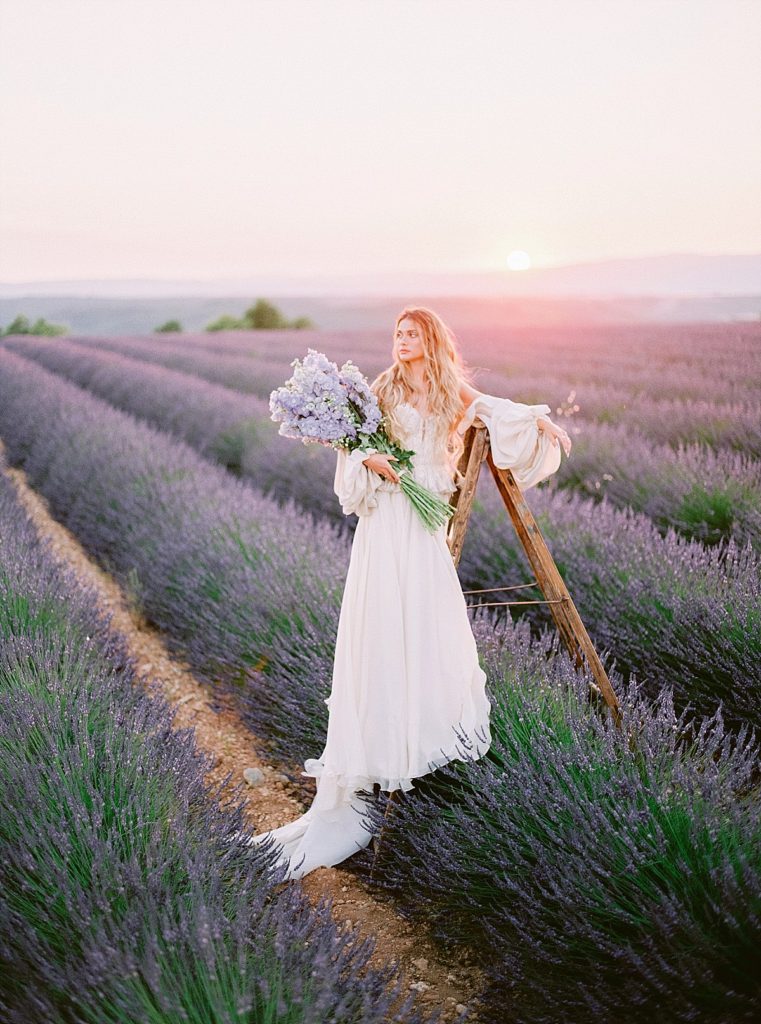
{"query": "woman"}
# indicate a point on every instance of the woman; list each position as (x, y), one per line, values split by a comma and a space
(408, 693)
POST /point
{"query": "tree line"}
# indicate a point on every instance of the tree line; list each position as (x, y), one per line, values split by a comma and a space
(23, 325)
(262, 316)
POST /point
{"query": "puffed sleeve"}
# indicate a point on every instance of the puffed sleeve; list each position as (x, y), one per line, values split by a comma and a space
(354, 483)
(516, 441)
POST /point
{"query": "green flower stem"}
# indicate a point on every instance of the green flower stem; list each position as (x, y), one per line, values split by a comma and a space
(432, 511)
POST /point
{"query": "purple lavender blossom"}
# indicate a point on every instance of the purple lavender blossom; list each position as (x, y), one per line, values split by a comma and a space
(321, 404)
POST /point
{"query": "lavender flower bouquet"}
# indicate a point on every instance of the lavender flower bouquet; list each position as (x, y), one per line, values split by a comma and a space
(321, 404)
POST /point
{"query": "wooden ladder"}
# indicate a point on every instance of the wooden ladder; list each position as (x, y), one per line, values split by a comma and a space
(567, 619)
(547, 578)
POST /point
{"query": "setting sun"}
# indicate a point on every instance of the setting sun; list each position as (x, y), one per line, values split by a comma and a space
(518, 260)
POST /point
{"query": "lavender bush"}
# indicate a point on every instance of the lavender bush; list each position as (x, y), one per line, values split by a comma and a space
(672, 611)
(660, 361)
(603, 874)
(121, 896)
(652, 363)
(711, 496)
(675, 421)
(236, 372)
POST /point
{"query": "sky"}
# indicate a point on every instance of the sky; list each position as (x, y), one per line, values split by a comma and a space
(188, 139)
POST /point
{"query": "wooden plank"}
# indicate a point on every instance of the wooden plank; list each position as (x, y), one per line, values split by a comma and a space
(564, 612)
(394, 798)
(572, 631)
(473, 454)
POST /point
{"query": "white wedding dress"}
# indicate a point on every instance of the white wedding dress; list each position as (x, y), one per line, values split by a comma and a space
(408, 692)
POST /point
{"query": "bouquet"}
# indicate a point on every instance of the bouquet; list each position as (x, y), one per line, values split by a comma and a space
(321, 404)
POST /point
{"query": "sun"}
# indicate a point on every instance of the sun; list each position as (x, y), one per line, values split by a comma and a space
(518, 260)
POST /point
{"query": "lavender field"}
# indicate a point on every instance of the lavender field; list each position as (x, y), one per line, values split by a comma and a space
(585, 868)
(122, 896)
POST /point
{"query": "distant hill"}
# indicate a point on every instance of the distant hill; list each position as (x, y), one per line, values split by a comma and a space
(670, 288)
(674, 275)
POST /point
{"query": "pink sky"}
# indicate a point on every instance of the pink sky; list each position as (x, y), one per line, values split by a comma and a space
(213, 139)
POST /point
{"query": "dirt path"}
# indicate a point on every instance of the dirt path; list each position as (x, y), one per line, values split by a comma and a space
(448, 986)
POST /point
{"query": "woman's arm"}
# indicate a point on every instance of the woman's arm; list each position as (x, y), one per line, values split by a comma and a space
(544, 425)
(555, 433)
(355, 483)
(467, 394)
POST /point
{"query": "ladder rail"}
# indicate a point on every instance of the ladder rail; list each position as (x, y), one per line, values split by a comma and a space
(548, 579)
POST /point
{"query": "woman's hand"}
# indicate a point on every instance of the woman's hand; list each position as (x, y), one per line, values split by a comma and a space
(381, 463)
(556, 433)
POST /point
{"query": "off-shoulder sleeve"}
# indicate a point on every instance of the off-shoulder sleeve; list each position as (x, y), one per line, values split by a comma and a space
(516, 441)
(354, 483)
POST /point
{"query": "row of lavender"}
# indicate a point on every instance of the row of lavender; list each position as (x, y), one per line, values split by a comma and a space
(673, 612)
(572, 852)
(702, 493)
(226, 426)
(236, 580)
(122, 894)
(664, 361)
(667, 392)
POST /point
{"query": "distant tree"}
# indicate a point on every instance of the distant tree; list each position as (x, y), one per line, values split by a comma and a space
(22, 325)
(170, 327)
(226, 323)
(263, 316)
(41, 326)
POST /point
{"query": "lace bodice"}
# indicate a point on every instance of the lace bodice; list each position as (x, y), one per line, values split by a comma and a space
(431, 464)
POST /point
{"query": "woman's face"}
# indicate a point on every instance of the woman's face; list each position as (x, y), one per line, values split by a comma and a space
(408, 341)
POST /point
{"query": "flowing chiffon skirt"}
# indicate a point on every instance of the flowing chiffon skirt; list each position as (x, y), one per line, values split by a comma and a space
(408, 692)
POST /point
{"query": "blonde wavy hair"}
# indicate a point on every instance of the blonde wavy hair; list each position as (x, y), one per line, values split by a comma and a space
(444, 372)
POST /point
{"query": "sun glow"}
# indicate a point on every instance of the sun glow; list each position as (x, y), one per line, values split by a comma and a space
(518, 260)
